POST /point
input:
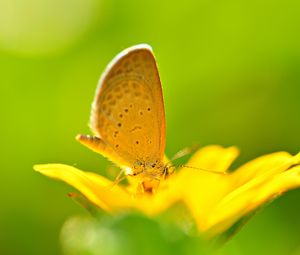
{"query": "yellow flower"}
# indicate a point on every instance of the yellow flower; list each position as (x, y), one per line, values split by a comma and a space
(216, 201)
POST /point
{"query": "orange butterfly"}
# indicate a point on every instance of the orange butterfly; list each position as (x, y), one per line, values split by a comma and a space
(128, 117)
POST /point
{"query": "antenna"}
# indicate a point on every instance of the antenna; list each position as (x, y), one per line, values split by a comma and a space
(202, 169)
(186, 151)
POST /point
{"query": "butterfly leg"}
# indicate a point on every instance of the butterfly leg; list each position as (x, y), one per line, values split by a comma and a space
(119, 177)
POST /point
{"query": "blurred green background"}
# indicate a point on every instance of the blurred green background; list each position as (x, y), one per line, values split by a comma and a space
(230, 73)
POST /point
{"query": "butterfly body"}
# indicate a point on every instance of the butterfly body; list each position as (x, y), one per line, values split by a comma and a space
(128, 118)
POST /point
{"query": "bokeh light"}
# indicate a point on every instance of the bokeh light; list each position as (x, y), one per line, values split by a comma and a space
(35, 27)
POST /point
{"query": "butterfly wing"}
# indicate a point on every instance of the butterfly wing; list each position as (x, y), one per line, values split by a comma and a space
(128, 114)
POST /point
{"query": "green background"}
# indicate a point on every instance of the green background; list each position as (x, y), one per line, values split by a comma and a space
(231, 76)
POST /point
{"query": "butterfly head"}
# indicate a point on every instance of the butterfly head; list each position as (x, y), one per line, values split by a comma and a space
(149, 172)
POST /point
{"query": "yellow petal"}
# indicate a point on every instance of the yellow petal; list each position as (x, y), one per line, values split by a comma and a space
(266, 165)
(202, 193)
(249, 197)
(259, 171)
(202, 190)
(95, 188)
(214, 158)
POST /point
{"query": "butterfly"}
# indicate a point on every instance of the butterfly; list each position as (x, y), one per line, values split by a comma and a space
(128, 117)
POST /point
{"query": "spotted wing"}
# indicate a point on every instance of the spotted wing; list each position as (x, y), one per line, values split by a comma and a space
(128, 111)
